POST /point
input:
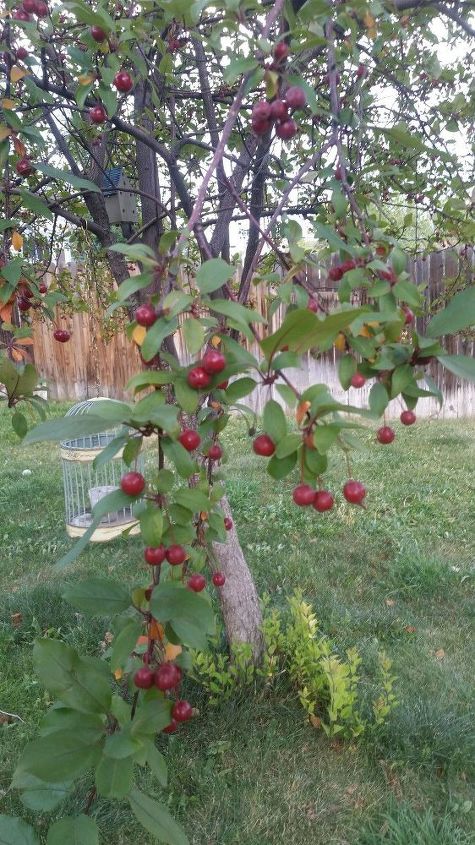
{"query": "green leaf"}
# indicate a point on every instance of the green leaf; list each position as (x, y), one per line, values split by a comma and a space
(14, 831)
(20, 424)
(98, 596)
(401, 377)
(290, 443)
(189, 613)
(213, 274)
(66, 719)
(114, 777)
(68, 177)
(194, 334)
(408, 292)
(118, 746)
(157, 764)
(59, 756)
(287, 394)
(133, 284)
(459, 314)
(155, 336)
(40, 796)
(79, 682)
(378, 399)
(74, 830)
(192, 499)
(34, 204)
(302, 330)
(274, 422)
(155, 818)
(460, 365)
(123, 644)
(187, 398)
(178, 455)
(109, 451)
(239, 388)
(135, 252)
(151, 716)
(152, 409)
(151, 525)
(12, 271)
(325, 436)
(346, 369)
(280, 468)
(67, 428)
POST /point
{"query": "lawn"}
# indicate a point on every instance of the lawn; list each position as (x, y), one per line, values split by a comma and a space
(252, 771)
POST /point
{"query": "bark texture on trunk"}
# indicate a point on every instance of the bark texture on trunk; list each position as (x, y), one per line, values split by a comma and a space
(238, 597)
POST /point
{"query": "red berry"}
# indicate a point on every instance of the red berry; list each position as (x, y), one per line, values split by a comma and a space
(279, 110)
(146, 315)
(228, 523)
(154, 555)
(261, 111)
(23, 303)
(98, 114)
(213, 362)
(323, 501)
(196, 582)
(260, 127)
(361, 71)
(348, 265)
(175, 555)
(281, 51)
(295, 97)
(286, 130)
(385, 434)
(357, 380)
(98, 34)
(335, 273)
(61, 335)
(223, 384)
(408, 315)
(182, 710)
(388, 275)
(43, 287)
(264, 446)
(144, 678)
(21, 53)
(190, 439)
(303, 495)
(24, 167)
(29, 6)
(215, 452)
(123, 82)
(219, 579)
(171, 728)
(21, 15)
(408, 417)
(198, 378)
(148, 596)
(132, 483)
(41, 9)
(312, 305)
(354, 492)
(167, 676)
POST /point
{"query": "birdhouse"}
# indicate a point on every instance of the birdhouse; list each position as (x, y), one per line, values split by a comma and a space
(121, 204)
(84, 486)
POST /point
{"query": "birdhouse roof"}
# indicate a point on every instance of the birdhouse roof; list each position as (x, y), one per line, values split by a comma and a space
(112, 180)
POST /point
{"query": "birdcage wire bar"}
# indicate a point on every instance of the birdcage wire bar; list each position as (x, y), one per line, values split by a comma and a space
(84, 485)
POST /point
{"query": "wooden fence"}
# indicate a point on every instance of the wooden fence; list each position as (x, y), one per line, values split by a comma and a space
(90, 366)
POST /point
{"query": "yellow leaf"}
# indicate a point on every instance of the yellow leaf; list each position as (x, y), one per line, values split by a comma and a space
(368, 20)
(302, 409)
(86, 78)
(215, 340)
(17, 241)
(340, 342)
(5, 131)
(272, 83)
(118, 674)
(17, 73)
(172, 651)
(7, 104)
(138, 335)
(24, 341)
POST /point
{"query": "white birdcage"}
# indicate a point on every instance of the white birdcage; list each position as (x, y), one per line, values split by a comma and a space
(84, 486)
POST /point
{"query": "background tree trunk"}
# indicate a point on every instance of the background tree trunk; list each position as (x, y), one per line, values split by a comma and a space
(238, 597)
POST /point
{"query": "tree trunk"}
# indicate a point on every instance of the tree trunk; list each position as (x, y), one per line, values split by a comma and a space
(238, 597)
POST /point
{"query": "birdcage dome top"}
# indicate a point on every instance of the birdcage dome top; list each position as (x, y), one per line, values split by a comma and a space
(89, 441)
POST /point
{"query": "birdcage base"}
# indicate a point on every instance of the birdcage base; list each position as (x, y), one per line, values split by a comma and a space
(103, 533)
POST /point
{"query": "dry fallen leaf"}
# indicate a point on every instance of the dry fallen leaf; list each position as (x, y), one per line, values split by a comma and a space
(410, 629)
(315, 721)
(439, 654)
(16, 619)
(389, 602)
(118, 674)
(138, 335)
(8, 104)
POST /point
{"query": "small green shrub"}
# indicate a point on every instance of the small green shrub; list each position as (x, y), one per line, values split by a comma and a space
(327, 684)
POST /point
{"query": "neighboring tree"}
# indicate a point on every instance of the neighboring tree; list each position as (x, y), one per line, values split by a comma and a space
(220, 113)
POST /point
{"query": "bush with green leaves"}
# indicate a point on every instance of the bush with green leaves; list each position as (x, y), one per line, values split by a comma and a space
(219, 112)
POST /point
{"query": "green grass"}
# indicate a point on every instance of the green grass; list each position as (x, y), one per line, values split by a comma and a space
(251, 771)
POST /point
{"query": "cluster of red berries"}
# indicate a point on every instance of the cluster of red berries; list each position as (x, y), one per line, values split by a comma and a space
(386, 434)
(166, 678)
(212, 363)
(265, 114)
(336, 273)
(31, 7)
(190, 440)
(322, 500)
(176, 555)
